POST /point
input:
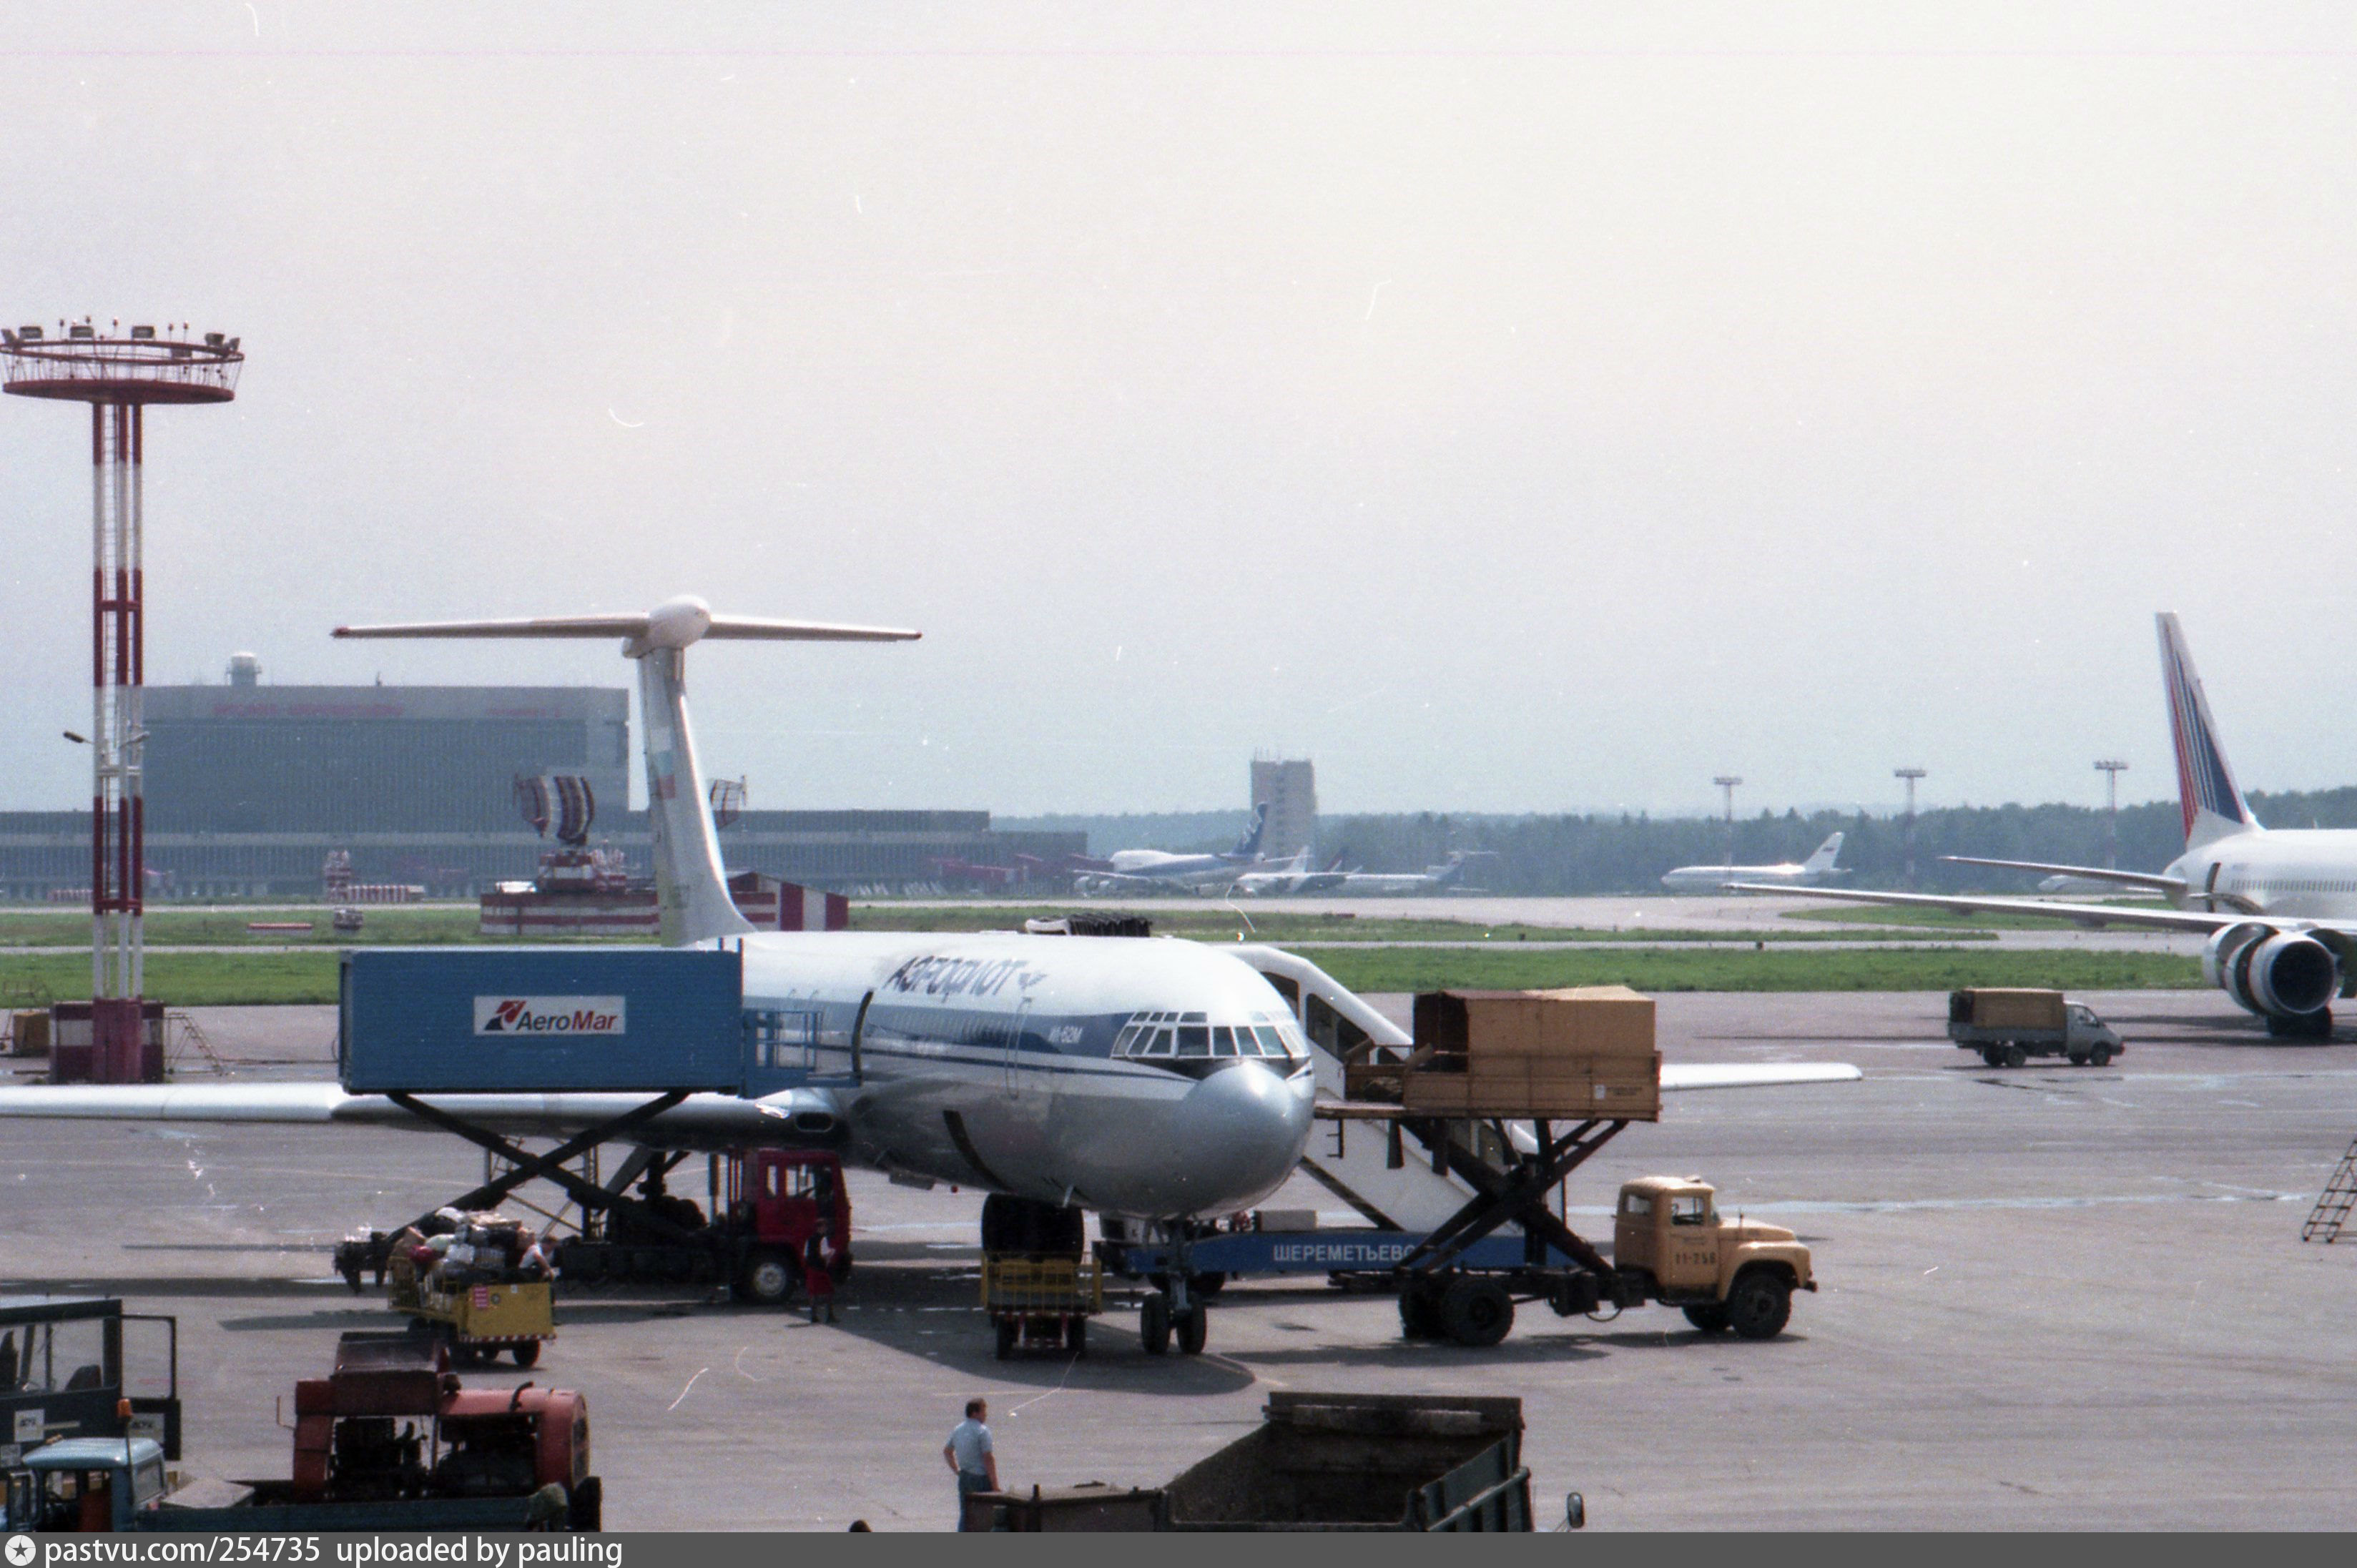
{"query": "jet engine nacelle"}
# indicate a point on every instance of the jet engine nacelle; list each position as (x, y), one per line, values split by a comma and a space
(2274, 973)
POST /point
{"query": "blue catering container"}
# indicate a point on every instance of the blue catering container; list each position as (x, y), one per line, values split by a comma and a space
(540, 1020)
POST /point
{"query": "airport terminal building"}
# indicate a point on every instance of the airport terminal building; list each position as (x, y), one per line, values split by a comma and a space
(251, 787)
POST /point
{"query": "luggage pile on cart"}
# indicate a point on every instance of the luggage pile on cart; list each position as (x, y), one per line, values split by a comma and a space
(482, 1287)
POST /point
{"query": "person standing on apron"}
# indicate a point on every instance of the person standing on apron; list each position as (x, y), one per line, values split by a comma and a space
(969, 1456)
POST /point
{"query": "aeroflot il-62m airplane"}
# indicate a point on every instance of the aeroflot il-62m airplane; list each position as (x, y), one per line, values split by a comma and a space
(1804, 874)
(2279, 908)
(1154, 1081)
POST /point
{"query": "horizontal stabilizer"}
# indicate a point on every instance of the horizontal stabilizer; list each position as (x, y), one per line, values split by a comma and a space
(656, 628)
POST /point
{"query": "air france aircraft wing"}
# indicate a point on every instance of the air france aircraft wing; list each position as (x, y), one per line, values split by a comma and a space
(2193, 920)
(2153, 881)
(797, 1117)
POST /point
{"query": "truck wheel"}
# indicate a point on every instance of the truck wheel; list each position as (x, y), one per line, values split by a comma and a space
(767, 1279)
(1708, 1317)
(2078, 1058)
(1992, 1055)
(1010, 1331)
(1419, 1311)
(2101, 1056)
(1476, 1313)
(1193, 1329)
(1154, 1324)
(2016, 1057)
(588, 1505)
(1076, 1337)
(526, 1354)
(1760, 1304)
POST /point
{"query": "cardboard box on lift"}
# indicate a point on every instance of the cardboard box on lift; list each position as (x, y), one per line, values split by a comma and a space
(1578, 1052)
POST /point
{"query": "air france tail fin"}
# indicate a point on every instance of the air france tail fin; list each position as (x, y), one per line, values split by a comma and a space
(1824, 859)
(1248, 846)
(690, 881)
(2213, 805)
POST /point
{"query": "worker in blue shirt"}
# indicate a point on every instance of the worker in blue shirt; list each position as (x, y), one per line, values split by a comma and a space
(969, 1456)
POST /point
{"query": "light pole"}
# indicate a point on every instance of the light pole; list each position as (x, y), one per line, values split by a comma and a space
(118, 374)
(1911, 775)
(2111, 767)
(1727, 782)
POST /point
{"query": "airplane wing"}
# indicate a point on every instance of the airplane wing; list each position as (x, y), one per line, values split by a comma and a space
(1679, 1077)
(797, 1116)
(2147, 879)
(2189, 920)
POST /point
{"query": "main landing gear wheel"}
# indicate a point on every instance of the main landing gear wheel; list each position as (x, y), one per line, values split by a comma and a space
(1154, 1324)
(767, 1279)
(1193, 1328)
(1476, 1313)
(1759, 1306)
(2316, 1026)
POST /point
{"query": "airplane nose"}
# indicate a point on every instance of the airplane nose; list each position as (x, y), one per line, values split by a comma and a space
(1245, 1128)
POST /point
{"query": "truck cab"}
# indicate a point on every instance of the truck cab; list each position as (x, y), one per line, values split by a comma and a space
(87, 1485)
(1669, 1237)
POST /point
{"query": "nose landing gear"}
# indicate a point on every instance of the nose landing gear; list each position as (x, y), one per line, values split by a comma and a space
(1174, 1312)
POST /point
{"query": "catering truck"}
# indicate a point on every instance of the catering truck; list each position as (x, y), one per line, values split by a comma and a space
(2008, 1024)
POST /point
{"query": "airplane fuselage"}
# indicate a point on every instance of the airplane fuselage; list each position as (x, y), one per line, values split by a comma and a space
(1140, 1077)
(1710, 879)
(2306, 874)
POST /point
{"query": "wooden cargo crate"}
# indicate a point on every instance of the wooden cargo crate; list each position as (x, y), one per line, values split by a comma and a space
(2007, 1007)
(1589, 1021)
(1623, 1088)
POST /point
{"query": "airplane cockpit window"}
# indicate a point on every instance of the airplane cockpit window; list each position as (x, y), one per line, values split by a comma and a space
(1189, 1035)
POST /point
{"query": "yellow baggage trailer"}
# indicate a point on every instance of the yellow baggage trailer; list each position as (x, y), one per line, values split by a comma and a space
(479, 1320)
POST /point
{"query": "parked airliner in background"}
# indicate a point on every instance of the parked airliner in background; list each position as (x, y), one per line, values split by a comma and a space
(2279, 909)
(1160, 871)
(1407, 884)
(1291, 879)
(1807, 873)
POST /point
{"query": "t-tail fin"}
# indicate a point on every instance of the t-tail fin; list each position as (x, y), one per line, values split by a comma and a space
(689, 878)
(1248, 846)
(2213, 805)
(1824, 859)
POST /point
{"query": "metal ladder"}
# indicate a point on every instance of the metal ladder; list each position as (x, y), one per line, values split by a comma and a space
(184, 1038)
(2333, 1204)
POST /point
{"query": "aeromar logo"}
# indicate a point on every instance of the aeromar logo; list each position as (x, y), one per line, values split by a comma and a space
(543, 1015)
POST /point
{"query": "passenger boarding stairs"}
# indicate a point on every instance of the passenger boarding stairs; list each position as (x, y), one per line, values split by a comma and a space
(1386, 1176)
(2333, 1204)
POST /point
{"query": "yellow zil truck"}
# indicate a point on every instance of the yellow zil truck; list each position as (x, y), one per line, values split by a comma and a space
(1670, 1244)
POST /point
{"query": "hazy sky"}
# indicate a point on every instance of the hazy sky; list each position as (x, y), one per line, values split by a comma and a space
(1510, 407)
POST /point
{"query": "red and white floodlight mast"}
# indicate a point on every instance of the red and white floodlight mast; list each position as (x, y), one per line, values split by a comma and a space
(118, 375)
